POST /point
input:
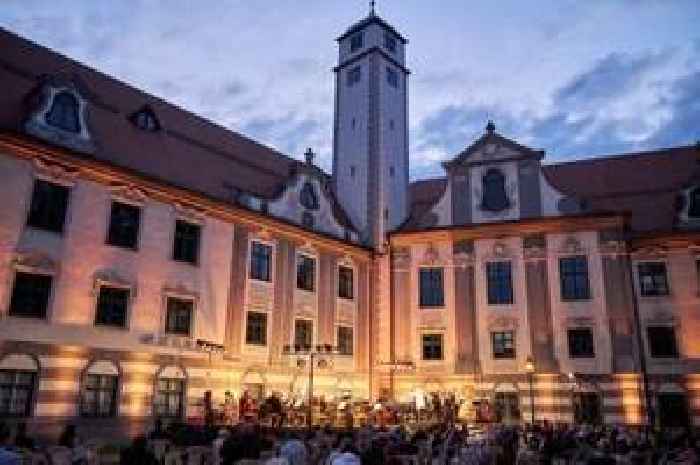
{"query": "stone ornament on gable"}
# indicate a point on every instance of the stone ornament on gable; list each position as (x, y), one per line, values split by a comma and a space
(51, 170)
(110, 277)
(571, 245)
(503, 322)
(128, 192)
(578, 322)
(35, 261)
(180, 290)
(189, 213)
(431, 256)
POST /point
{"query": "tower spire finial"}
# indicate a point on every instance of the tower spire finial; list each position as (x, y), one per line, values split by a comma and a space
(372, 4)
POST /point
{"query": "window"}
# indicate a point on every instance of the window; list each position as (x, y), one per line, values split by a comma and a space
(145, 120)
(170, 394)
(573, 275)
(390, 42)
(303, 334)
(345, 340)
(260, 257)
(352, 171)
(356, 42)
(64, 112)
(49, 206)
(306, 273)
(432, 346)
(494, 197)
(186, 244)
(652, 279)
(179, 317)
(308, 197)
(391, 171)
(587, 408)
(581, 343)
(256, 329)
(354, 123)
(307, 220)
(431, 292)
(354, 75)
(694, 200)
(16, 393)
(345, 282)
(391, 124)
(99, 396)
(124, 225)
(30, 295)
(392, 77)
(673, 410)
(500, 285)
(111, 306)
(662, 342)
(503, 344)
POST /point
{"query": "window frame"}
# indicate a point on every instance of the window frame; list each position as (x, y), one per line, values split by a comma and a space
(168, 393)
(29, 388)
(425, 300)
(41, 222)
(268, 275)
(570, 342)
(303, 282)
(60, 125)
(673, 354)
(197, 248)
(49, 294)
(504, 354)
(114, 406)
(357, 41)
(494, 298)
(354, 75)
(390, 42)
(340, 346)
(127, 309)
(263, 333)
(114, 241)
(645, 292)
(577, 293)
(342, 289)
(439, 337)
(392, 77)
(311, 324)
(191, 326)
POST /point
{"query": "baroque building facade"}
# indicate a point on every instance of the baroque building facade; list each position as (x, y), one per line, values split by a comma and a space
(148, 256)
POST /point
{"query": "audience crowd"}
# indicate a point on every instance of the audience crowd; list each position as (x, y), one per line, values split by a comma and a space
(249, 443)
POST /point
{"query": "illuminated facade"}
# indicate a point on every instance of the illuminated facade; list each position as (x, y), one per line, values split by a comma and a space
(148, 256)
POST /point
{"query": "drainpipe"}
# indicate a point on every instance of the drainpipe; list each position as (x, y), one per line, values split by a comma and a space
(640, 344)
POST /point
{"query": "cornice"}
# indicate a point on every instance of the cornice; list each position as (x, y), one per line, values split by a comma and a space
(109, 175)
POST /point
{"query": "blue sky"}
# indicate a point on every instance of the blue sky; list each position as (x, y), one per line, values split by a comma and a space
(576, 78)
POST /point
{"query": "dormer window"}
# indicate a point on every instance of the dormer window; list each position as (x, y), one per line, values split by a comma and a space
(64, 112)
(494, 196)
(694, 203)
(145, 120)
(390, 42)
(308, 197)
(356, 42)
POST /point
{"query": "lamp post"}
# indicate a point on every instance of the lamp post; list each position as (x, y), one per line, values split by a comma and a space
(318, 354)
(572, 384)
(530, 370)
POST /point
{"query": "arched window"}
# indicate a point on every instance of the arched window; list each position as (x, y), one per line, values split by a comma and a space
(308, 197)
(694, 203)
(64, 112)
(494, 197)
(100, 387)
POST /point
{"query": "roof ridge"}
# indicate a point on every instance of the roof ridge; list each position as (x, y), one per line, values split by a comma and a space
(132, 88)
(620, 156)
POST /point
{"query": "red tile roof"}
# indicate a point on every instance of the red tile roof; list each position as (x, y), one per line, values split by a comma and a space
(189, 151)
(645, 185)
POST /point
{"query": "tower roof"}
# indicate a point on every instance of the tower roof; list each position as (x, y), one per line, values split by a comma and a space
(371, 18)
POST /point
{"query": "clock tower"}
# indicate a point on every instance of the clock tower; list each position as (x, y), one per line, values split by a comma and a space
(370, 140)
